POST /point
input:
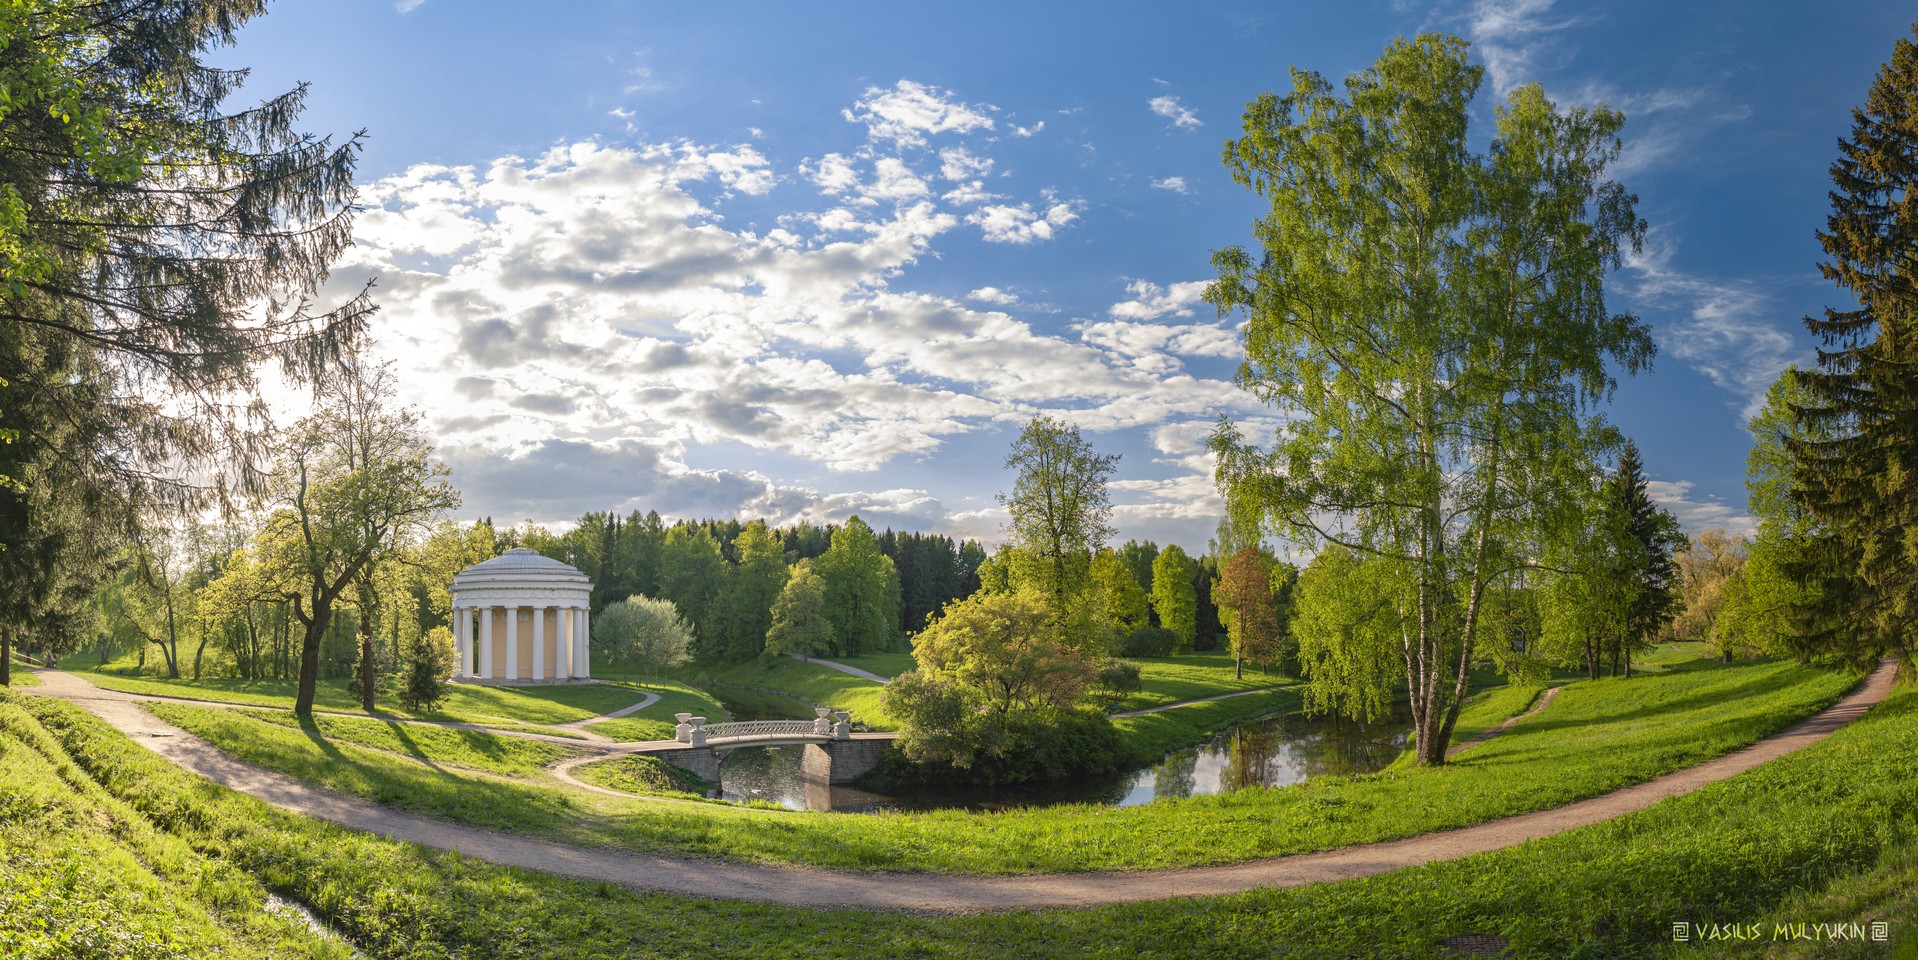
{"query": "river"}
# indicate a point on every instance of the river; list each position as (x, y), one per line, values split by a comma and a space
(1270, 752)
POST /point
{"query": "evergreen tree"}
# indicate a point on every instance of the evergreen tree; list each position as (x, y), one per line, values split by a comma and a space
(1647, 569)
(1857, 458)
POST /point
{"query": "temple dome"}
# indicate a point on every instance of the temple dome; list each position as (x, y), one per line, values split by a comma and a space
(521, 567)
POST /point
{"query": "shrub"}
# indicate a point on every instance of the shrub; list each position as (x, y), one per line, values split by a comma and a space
(429, 661)
(1150, 641)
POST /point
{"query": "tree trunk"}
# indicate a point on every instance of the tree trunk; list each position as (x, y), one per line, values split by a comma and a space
(366, 642)
(310, 655)
(6, 658)
(199, 651)
(171, 647)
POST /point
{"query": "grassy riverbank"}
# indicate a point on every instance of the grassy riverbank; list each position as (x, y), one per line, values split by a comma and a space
(1836, 820)
(1596, 737)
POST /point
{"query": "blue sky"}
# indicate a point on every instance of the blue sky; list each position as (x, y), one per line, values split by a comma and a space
(800, 261)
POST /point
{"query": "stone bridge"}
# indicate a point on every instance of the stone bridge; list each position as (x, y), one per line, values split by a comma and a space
(834, 754)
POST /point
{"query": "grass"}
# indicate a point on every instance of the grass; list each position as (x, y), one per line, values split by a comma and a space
(507, 708)
(887, 665)
(646, 775)
(1598, 736)
(1164, 680)
(471, 749)
(810, 682)
(1154, 735)
(1835, 821)
(21, 678)
(84, 875)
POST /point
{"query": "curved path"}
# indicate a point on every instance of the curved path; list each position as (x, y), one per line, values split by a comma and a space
(1161, 708)
(823, 889)
(1458, 748)
(845, 668)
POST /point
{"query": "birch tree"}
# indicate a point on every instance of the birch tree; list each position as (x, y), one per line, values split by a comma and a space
(1430, 324)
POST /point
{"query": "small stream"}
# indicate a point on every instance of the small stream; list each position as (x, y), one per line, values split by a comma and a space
(1269, 752)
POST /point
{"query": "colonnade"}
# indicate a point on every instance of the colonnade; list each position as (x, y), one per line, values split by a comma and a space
(506, 631)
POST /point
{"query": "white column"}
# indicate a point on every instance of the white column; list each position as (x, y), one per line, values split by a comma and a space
(539, 642)
(583, 631)
(486, 643)
(463, 641)
(512, 642)
(563, 641)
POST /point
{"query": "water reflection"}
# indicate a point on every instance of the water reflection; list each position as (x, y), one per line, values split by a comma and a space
(1273, 752)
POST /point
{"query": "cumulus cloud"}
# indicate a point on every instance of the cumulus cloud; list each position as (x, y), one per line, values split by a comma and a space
(585, 329)
(908, 112)
(1702, 513)
(1174, 184)
(1170, 108)
(1021, 224)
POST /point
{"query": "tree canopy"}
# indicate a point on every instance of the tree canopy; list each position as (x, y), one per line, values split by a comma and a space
(1431, 325)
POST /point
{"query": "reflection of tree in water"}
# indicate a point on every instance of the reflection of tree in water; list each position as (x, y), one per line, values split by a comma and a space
(1173, 776)
(1248, 759)
(1330, 746)
(763, 773)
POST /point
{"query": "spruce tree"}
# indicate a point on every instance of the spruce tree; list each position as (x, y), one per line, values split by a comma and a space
(1856, 455)
(1647, 542)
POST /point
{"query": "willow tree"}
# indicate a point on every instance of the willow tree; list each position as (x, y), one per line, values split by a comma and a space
(1430, 323)
(1855, 457)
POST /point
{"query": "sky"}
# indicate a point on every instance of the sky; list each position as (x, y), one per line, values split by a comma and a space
(802, 261)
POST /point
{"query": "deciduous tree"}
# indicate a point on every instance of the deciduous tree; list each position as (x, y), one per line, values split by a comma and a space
(1060, 510)
(1431, 326)
(1174, 597)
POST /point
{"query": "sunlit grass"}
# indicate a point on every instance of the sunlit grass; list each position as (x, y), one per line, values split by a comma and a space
(1597, 736)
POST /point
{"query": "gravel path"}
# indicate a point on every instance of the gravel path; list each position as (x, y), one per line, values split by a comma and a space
(932, 893)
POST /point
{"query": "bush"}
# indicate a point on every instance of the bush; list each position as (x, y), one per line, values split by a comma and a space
(1115, 680)
(1150, 641)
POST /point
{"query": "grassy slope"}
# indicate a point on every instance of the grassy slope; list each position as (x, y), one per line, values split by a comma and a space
(507, 756)
(1841, 810)
(1595, 738)
(83, 875)
(808, 681)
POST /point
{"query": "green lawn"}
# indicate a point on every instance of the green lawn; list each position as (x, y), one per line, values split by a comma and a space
(884, 664)
(1195, 676)
(811, 682)
(1826, 829)
(469, 749)
(1597, 736)
(505, 707)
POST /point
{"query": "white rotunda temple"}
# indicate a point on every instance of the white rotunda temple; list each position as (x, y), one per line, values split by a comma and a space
(522, 618)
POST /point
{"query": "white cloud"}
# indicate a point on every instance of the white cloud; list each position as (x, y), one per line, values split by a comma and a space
(1170, 108)
(407, 6)
(1021, 224)
(993, 295)
(1174, 184)
(1728, 329)
(1033, 130)
(833, 173)
(1695, 515)
(1150, 301)
(1512, 37)
(905, 114)
(957, 164)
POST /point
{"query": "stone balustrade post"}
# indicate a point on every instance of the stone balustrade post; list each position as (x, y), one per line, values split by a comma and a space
(843, 729)
(698, 735)
(823, 725)
(684, 732)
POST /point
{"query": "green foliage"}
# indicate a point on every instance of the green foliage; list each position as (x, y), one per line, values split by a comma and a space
(1851, 451)
(644, 635)
(754, 582)
(1059, 508)
(799, 621)
(1349, 622)
(1430, 327)
(1114, 594)
(995, 680)
(1150, 641)
(1116, 680)
(1174, 596)
(861, 591)
(429, 661)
